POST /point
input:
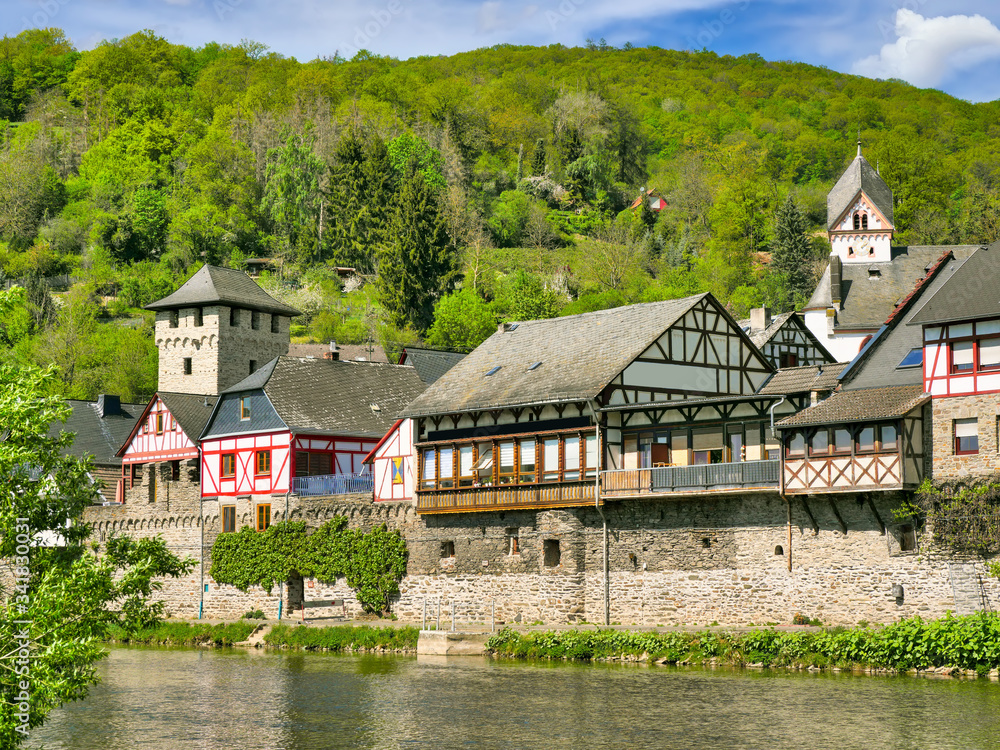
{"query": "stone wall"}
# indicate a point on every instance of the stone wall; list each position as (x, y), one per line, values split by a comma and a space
(945, 464)
(689, 561)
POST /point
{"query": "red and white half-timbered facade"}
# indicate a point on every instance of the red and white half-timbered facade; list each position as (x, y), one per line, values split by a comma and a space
(392, 463)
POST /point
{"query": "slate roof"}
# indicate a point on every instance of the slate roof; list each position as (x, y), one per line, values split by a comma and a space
(96, 436)
(317, 395)
(973, 291)
(863, 405)
(761, 337)
(789, 380)
(867, 301)
(579, 355)
(877, 364)
(214, 285)
(860, 175)
(357, 352)
(430, 364)
(191, 411)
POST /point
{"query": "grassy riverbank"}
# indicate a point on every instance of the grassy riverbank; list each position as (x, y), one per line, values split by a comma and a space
(186, 634)
(344, 638)
(970, 642)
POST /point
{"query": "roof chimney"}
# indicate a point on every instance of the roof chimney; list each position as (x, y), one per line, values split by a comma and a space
(836, 274)
(760, 318)
(108, 406)
(334, 352)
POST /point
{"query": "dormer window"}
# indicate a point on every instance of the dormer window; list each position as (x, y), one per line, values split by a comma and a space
(244, 408)
(492, 371)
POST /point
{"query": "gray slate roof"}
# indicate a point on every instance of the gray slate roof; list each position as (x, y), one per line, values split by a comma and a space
(357, 352)
(191, 411)
(327, 396)
(860, 175)
(878, 364)
(579, 355)
(761, 337)
(867, 302)
(863, 405)
(791, 380)
(972, 291)
(96, 436)
(430, 364)
(212, 285)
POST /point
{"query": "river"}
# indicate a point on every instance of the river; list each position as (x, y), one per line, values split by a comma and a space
(175, 699)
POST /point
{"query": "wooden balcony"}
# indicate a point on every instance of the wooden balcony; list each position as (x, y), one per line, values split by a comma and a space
(823, 474)
(684, 480)
(505, 497)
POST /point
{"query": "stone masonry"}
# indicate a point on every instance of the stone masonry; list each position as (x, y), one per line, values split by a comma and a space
(946, 464)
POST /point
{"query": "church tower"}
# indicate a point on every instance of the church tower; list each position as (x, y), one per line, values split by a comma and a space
(219, 327)
(859, 215)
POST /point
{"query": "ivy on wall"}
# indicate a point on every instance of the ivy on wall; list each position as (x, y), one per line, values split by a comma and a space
(372, 562)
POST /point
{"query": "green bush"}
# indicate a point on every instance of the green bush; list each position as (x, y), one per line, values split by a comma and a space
(343, 638)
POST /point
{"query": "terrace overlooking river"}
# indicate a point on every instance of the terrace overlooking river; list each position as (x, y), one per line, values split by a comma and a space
(163, 699)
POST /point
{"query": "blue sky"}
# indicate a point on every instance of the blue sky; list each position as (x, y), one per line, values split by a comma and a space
(953, 45)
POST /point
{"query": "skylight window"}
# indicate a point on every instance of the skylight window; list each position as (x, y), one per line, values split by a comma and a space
(534, 366)
(914, 358)
(493, 371)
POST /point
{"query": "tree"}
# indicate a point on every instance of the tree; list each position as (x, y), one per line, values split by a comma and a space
(63, 598)
(791, 254)
(462, 320)
(417, 259)
(292, 195)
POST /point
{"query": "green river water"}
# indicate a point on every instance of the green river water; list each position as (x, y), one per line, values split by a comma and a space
(209, 700)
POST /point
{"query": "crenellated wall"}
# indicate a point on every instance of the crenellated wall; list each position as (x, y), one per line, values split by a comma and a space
(691, 561)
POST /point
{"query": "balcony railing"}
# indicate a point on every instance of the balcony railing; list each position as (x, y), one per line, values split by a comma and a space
(665, 480)
(505, 497)
(333, 484)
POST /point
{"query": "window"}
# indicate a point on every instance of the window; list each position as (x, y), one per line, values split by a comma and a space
(989, 353)
(507, 470)
(175, 471)
(819, 445)
(857, 221)
(397, 470)
(550, 459)
(263, 463)
(796, 445)
(590, 456)
(234, 316)
(275, 324)
(229, 464)
(187, 365)
(966, 436)
(198, 317)
(253, 366)
(842, 440)
(263, 516)
(428, 479)
(159, 423)
(244, 408)
(866, 440)
(907, 538)
(513, 542)
(313, 464)
(493, 371)
(228, 518)
(551, 555)
(466, 475)
(914, 358)
(526, 449)
(961, 356)
(254, 320)
(174, 318)
(571, 459)
(534, 366)
(447, 549)
(446, 468)
(133, 473)
(788, 359)
(888, 437)
(864, 221)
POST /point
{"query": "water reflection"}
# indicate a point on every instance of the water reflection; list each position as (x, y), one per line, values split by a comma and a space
(154, 698)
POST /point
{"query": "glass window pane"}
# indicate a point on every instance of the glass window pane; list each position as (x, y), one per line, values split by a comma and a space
(429, 466)
(797, 444)
(571, 459)
(550, 457)
(866, 439)
(591, 451)
(465, 460)
(961, 356)
(527, 455)
(889, 437)
(820, 442)
(507, 462)
(842, 440)
(989, 353)
(446, 459)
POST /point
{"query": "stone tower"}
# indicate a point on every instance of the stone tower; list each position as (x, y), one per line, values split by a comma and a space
(216, 329)
(859, 215)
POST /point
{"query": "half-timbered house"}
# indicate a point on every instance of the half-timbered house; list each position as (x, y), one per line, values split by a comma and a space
(302, 426)
(160, 457)
(784, 339)
(392, 463)
(664, 398)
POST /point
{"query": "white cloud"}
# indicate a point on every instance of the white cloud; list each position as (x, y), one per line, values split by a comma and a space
(928, 50)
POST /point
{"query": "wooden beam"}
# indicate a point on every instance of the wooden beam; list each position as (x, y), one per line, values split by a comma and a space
(833, 507)
(878, 518)
(812, 519)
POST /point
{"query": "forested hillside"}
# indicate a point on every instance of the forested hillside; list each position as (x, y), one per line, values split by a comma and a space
(465, 190)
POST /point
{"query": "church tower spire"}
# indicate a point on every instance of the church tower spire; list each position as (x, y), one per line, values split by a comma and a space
(859, 214)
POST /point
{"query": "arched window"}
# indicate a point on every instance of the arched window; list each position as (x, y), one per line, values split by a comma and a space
(857, 221)
(864, 221)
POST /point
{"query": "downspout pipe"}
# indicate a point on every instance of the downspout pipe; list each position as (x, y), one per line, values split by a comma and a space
(774, 406)
(604, 520)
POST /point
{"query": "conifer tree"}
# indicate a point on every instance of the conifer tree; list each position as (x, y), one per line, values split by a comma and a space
(348, 236)
(417, 259)
(538, 159)
(792, 253)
